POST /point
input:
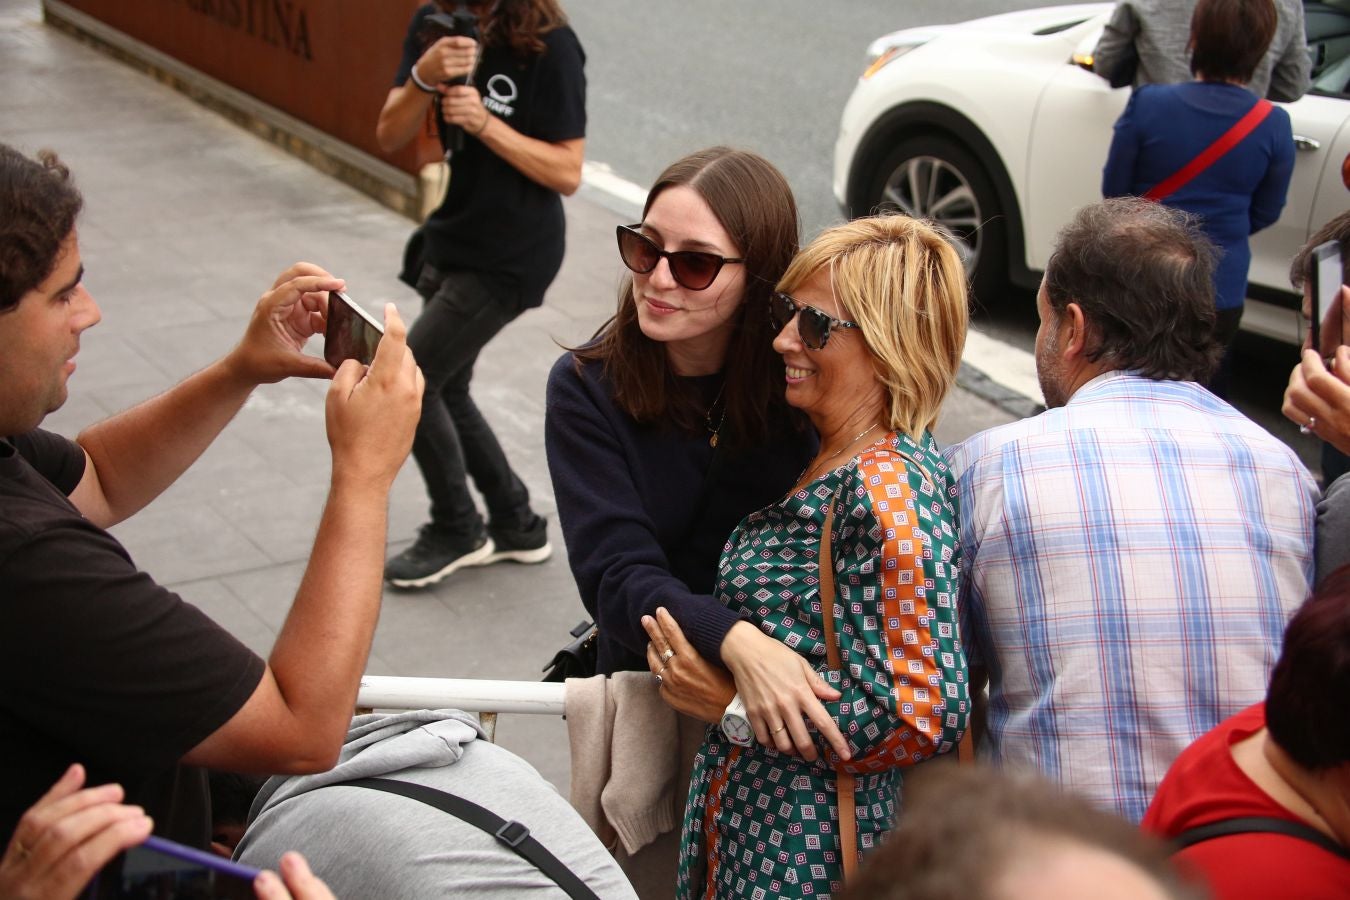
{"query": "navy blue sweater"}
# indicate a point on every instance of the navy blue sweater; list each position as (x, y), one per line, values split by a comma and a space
(1165, 126)
(643, 519)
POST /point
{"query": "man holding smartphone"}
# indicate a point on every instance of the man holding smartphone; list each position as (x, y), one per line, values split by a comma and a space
(108, 668)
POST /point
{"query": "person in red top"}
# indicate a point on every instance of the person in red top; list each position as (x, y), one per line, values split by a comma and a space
(1287, 759)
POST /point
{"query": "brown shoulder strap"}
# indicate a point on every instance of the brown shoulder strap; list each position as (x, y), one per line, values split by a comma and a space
(848, 822)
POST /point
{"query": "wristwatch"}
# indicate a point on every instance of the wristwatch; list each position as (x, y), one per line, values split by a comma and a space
(736, 724)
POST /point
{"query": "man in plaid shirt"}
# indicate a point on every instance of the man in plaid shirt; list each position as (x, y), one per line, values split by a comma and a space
(1131, 555)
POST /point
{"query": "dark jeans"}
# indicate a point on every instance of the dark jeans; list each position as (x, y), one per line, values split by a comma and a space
(461, 313)
(1226, 325)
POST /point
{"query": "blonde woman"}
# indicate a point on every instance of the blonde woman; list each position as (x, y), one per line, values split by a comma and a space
(871, 319)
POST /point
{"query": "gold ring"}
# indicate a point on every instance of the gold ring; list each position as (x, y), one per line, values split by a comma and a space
(779, 728)
(668, 655)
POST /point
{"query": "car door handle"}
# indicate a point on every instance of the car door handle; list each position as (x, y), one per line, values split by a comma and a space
(1306, 143)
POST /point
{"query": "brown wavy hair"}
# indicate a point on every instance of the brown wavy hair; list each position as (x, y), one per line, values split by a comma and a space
(519, 24)
(753, 202)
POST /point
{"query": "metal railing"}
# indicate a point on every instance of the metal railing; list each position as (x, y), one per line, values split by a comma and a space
(485, 697)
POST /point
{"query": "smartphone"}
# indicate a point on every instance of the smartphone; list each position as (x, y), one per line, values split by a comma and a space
(163, 870)
(352, 333)
(1324, 287)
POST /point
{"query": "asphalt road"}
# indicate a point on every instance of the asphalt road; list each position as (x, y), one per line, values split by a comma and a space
(667, 78)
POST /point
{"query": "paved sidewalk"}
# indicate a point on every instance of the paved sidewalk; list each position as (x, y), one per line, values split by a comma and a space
(188, 219)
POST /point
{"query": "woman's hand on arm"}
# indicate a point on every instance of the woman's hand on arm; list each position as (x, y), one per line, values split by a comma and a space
(689, 683)
(780, 690)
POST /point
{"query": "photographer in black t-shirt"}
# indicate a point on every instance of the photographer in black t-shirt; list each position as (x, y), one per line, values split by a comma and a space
(487, 254)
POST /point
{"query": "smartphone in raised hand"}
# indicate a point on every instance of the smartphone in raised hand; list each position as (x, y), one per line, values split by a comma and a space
(352, 333)
(160, 869)
(1326, 319)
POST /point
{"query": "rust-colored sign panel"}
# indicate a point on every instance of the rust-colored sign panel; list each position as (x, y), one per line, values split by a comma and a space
(329, 63)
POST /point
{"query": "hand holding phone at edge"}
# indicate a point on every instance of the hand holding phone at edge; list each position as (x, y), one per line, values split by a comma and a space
(283, 321)
(1318, 398)
(66, 837)
(372, 412)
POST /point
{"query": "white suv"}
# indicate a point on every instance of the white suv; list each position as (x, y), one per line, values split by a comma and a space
(991, 128)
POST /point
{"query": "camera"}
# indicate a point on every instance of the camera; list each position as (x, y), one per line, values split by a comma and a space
(460, 23)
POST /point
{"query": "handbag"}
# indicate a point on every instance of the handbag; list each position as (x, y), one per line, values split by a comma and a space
(578, 658)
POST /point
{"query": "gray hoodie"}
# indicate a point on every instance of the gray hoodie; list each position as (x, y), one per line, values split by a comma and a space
(367, 843)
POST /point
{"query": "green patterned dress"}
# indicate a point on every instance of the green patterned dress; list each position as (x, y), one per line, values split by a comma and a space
(762, 824)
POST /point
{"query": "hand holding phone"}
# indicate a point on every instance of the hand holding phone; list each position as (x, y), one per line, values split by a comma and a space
(352, 333)
(162, 868)
(1326, 319)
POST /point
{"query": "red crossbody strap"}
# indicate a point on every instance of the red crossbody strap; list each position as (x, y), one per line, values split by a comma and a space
(1211, 154)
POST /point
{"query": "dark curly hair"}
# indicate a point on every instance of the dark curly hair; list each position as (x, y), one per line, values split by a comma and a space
(38, 207)
(1143, 274)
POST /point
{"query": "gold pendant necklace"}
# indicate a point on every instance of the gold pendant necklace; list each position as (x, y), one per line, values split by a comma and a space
(811, 467)
(712, 440)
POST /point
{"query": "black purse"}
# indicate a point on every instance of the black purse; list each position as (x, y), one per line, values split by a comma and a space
(578, 658)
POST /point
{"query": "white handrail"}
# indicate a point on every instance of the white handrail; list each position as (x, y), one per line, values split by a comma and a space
(468, 694)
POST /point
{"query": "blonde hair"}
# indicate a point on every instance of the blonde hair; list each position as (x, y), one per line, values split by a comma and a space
(902, 281)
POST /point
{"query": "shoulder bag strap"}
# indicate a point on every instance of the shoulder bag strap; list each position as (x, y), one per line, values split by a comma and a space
(1211, 154)
(512, 834)
(844, 781)
(1258, 825)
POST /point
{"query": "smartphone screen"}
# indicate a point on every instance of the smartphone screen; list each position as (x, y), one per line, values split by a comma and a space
(352, 333)
(163, 870)
(1326, 321)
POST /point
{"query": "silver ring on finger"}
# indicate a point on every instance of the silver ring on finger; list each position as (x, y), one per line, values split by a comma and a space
(657, 676)
(1308, 428)
(668, 655)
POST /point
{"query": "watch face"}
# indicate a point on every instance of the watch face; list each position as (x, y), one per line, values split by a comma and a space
(738, 730)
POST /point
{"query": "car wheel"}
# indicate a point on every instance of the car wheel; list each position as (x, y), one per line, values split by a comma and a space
(933, 177)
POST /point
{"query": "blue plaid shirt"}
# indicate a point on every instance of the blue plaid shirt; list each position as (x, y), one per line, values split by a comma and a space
(1129, 563)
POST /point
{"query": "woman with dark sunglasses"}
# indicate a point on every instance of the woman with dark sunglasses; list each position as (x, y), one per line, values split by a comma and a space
(510, 107)
(670, 425)
(872, 319)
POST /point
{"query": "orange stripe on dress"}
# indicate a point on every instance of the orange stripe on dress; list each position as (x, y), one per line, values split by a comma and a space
(712, 806)
(905, 616)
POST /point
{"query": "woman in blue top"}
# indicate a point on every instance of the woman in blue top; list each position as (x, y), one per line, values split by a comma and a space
(1165, 127)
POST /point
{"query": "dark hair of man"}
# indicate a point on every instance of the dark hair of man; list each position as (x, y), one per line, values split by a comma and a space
(1306, 703)
(1143, 274)
(965, 826)
(1338, 229)
(38, 207)
(753, 202)
(1230, 37)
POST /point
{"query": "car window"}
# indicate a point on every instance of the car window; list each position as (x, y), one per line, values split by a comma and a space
(1329, 46)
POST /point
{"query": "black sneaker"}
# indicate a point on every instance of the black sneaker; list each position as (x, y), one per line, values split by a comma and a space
(523, 545)
(435, 555)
